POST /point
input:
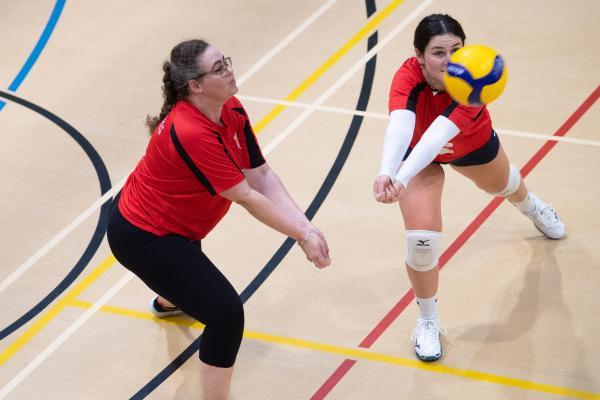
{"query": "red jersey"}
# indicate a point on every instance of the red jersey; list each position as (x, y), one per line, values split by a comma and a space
(410, 91)
(189, 160)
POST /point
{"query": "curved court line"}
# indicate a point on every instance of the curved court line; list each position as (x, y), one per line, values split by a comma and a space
(338, 110)
(70, 298)
(456, 245)
(287, 245)
(346, 76)
(37, 50)
(108, 195)
(98, 235)
(257, 128)
(353, 41)
(32, 331)
(358, 353)
(282, 248)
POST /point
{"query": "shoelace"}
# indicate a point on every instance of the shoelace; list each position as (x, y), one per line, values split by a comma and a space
(432, 329)
(547, 215)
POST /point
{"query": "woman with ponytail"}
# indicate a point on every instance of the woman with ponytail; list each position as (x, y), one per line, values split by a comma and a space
(202, 156)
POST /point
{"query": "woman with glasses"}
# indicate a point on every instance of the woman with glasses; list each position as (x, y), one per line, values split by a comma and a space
(426, 128)
(202, 156)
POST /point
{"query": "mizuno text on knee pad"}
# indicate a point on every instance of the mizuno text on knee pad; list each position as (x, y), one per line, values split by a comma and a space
(422, 249)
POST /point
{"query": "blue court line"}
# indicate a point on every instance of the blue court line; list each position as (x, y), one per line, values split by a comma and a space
(39, 47)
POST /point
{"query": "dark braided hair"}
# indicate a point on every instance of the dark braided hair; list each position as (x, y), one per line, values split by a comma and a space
(179, 69)
(435, 25)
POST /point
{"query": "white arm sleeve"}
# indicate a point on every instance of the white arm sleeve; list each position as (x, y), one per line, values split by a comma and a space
(397, 138)
(440, 132)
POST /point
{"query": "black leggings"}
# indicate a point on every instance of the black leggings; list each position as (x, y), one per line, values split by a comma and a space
(176, 268)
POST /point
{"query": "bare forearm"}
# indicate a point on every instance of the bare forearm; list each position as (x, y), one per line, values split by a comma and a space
(275, 215)
(272, 188)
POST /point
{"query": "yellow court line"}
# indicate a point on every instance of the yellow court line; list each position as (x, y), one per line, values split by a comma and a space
(60, 305)
(354, 40)
(56, 309)
(362, 354)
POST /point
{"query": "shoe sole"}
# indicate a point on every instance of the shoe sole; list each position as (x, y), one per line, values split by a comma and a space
(549, 237)
(163, 314)
(428, 359)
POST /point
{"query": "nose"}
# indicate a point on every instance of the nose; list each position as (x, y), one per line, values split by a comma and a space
(447, 58)
(228, 70)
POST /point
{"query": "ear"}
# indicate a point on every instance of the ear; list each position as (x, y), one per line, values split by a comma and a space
(195, 87)
(420, 56)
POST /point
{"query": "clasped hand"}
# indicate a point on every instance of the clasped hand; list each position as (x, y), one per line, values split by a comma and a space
(316, 249)
(387, 190)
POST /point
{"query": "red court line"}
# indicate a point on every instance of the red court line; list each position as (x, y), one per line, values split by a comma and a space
(408, 297)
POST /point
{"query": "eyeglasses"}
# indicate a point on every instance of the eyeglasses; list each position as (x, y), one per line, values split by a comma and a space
(222, 71)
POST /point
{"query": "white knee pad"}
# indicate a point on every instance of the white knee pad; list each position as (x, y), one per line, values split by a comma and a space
(514, 180)
(422, 249)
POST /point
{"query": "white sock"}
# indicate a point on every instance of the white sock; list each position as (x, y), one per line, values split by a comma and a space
(428, 307)
(531, 204)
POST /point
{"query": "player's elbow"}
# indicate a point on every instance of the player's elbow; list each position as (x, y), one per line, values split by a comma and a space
(240, 193)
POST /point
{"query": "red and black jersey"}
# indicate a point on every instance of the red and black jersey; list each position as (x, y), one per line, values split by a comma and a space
(188, 162)
(410, 91)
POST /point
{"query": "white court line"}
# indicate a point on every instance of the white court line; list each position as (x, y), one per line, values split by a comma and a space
(112, 192)
(42, 356)
(56, 343)
(337, 84)
(60, 236)
(272, 145)
(506, 132)
(541, 136)
(298, 104)
(285, 41)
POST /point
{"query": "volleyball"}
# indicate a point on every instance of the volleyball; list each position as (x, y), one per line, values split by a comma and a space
(476, 75)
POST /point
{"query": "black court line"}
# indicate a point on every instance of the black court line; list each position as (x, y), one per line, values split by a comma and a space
(314, 206)
(94, 244)
(336, 168)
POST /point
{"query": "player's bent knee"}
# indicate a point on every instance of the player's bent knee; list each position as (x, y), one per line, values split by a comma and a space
(422, 249)
(514, 181)
(231, 313)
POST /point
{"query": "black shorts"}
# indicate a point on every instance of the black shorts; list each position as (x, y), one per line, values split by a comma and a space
(482, 155)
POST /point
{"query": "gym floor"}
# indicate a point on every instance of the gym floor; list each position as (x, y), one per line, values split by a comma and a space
(77, 80)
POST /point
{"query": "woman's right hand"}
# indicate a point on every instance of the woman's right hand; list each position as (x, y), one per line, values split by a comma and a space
(315, 247)
(385, 190)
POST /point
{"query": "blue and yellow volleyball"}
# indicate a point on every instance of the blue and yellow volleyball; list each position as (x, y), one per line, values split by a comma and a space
(476, 75)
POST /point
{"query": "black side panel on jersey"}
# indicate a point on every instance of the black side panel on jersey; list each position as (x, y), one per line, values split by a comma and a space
(239, 110)
(256, 157)
(188, 161)
(411, 104)
(449, 109)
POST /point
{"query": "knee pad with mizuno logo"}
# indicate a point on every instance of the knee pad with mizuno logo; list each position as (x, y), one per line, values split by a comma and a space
(422, 249)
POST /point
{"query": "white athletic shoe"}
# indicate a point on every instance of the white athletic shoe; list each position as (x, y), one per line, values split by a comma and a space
(162, 312)
(547, 221)
(426, 339)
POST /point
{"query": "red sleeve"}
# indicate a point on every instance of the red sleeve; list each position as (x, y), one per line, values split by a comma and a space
(216, 169)
(405, 86)
(464, 117)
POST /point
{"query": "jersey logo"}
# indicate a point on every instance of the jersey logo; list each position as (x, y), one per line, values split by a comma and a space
(161, 127)
(237, 142)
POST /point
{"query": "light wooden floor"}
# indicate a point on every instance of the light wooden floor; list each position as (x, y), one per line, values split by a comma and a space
(520, 310)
